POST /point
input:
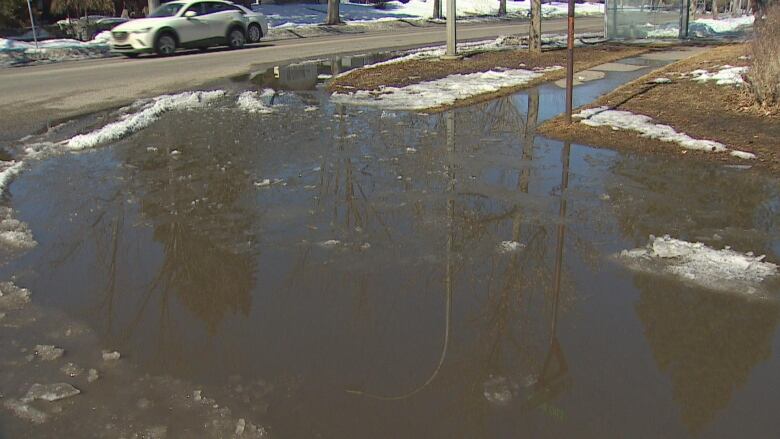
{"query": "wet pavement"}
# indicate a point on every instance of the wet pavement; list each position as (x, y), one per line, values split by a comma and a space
(351, 272)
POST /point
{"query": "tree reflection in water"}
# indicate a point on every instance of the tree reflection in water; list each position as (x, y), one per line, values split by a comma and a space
(708, 342)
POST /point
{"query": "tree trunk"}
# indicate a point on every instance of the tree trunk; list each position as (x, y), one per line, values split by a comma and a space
(437, 13)
(501, 8)
(714, 9)
(535, 30)
(334, 17)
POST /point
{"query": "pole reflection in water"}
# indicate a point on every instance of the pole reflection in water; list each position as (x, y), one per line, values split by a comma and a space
(449, 271)
(549, 378)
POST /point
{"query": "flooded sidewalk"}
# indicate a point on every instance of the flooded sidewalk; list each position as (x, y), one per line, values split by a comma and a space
(273, 264)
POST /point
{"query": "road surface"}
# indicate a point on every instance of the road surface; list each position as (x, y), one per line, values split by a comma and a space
(33, 97)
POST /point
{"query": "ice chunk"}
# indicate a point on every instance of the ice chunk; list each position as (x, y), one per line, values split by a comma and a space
(47, 352)
(695, 263)
(92, 375)
(25, 412)
(510, 246)
(71, 370)
(13, 297)
(111, 355)
(497, 390)
(50, 392)
(14, 234)
(329, 243)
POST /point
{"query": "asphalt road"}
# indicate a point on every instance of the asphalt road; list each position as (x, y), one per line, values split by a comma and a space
(35, 96)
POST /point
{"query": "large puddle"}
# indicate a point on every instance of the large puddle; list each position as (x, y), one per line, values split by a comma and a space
(352, 272)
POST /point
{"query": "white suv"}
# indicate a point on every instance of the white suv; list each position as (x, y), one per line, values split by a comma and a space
(184, 24)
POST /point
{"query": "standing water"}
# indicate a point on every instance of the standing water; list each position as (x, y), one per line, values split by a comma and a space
(300, 269)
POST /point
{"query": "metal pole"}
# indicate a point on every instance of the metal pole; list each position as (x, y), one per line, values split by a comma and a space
(570, 62)
(32, 23)
(452, 47)
(685, 9)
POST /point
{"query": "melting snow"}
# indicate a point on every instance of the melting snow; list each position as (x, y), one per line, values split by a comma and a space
(445, 91)
(743, 155)
(602, 116)
(149, 113)
(726, 75)
(254, 102)
(695, 263)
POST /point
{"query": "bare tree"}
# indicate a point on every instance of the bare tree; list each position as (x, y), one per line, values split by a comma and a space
(81, 6)
(334, 17)
(437, 12)
(501, 8)
(535, 30)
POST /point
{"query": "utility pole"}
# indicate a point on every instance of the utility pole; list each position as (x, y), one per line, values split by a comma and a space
(452, 39)
(570, 62)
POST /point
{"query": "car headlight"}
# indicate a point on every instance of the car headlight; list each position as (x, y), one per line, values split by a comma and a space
(141, 31)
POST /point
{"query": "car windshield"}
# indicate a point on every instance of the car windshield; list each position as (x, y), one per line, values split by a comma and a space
(166, 10)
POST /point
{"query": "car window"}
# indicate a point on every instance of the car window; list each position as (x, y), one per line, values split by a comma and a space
(214, 7)
(198, 8)
(166, 10)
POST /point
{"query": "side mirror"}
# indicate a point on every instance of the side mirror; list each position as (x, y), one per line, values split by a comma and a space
(190, 14)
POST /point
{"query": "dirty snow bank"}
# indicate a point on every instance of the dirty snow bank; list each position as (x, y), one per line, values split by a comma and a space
(644, 125)
(695, 263)
(20, 52)
(148, 114)
(445, 91)
(727, 75)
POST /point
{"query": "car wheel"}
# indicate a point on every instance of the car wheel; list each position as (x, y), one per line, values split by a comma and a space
(254, 33)
(165, 45)
(236, 39)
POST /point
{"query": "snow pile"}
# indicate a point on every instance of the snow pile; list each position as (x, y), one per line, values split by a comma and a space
(726, 75)
(722, 25)
(625, 120)
(445, 91)
(293, 15)
(149, 113)
(254, 102)
(20, 52)
(697, 264)
(703, 27)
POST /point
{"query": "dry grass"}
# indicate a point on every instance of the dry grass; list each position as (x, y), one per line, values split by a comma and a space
(701, 110)
(764, 74)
